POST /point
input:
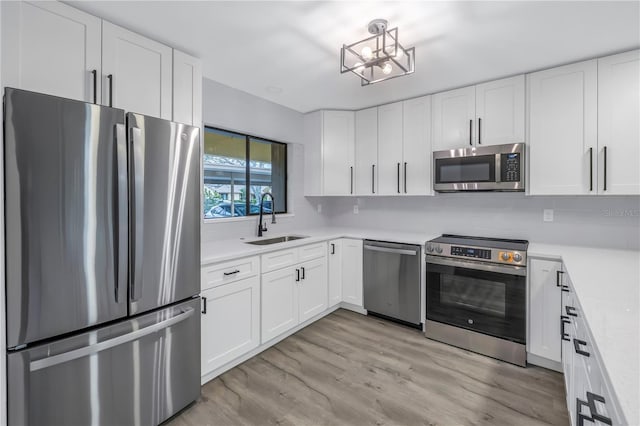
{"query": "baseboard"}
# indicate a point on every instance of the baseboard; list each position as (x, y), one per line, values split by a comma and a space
(354, 308)
(544, 362)
(237, 361)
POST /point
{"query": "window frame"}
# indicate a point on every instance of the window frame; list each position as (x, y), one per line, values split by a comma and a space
(247, 138)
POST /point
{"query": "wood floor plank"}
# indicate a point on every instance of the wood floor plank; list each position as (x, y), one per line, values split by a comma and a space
(350, 369)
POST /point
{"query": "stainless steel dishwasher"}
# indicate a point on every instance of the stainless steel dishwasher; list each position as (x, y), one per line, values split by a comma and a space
(392, 281)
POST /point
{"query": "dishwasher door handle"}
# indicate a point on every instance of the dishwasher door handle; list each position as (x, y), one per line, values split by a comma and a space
(391, 250)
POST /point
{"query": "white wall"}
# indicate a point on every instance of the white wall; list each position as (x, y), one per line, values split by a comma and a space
(232, 109)
(612, 222)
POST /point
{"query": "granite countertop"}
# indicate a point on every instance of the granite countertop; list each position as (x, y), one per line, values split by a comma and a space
(607, 284)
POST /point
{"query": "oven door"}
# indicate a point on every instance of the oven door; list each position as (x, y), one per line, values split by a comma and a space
(482, 297)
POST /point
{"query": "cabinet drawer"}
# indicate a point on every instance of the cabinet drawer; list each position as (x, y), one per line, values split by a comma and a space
(228, 272)
(279, 259)
(312, 251)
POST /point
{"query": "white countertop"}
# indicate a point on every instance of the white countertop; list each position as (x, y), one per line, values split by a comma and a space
(607, 284)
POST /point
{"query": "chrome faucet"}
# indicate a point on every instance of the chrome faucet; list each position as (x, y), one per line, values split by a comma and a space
(263, 228)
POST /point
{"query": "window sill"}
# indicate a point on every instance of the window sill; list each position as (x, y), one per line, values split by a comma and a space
(245, 218)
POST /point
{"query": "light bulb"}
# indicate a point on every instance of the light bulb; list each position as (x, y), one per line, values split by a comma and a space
(387, 68)
(367, 53)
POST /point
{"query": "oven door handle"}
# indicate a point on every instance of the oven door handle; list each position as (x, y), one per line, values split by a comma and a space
(480, 266)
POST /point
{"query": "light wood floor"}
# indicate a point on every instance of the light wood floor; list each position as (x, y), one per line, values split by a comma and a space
(349, 369)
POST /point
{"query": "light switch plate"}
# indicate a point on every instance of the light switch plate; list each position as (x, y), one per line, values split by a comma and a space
(319, 208)
(356, 209)
(547, 215)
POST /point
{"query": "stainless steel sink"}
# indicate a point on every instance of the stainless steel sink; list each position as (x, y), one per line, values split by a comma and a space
(276, 240)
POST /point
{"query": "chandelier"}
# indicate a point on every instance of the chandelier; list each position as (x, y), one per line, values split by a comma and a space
(379, 57)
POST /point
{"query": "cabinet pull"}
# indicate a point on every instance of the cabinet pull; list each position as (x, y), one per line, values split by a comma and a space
(470, 132)
(204, 305)
(571, 311)
(563, 321)
(591, 169)
(591, 401)
(297, 275)
(94, 73)
(398, 178)
(576, 345)
(231, 273)
(333, 248)
(373, 178)
(351, 184)
(479, 131)
(605, 169)
(581, 417)
(302, 272)
(110, 78)
(559, 282)
(405, 177)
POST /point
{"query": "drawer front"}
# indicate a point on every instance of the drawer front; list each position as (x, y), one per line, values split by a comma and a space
(279, 259)
(228, 272)
(312, 251)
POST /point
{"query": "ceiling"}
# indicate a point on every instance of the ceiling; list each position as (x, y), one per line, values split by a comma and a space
(288, 52)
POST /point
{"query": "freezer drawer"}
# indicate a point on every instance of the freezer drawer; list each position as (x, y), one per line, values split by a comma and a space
(392, 280)
(136, 372)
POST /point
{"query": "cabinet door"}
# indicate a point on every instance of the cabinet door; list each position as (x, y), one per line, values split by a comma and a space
(563, 130)
(568, 353)
(338, 152)
(230, 322)
(390, 149)
(352, 271)
(619, 123)
(453, 115)
(140, 71)
(416, 167)
(335, 272)
(187, 89)
(279, 302)
(545, 301)
(313, 288)
(366, 151)
(500, 112)
(51, 48)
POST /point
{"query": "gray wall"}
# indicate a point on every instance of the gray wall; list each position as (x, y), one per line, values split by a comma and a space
(612, 222)
(232, 109)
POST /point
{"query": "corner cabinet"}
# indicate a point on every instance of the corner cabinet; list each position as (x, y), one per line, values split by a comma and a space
(51, 48)
(491, 113)
(329, 153)
(137, 72)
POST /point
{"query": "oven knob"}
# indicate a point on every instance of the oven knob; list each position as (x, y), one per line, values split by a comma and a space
(517, 257)
(439, 249)
(429, 248)
(505, 256)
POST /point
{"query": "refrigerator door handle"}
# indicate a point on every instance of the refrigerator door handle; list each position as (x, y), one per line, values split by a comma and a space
(108, 344)
(137, 211)
(121, 245)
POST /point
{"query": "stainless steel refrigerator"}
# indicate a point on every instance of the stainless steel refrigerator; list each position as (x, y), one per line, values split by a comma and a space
(102, 263)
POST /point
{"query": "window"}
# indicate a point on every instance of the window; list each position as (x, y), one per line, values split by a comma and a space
(238, 170)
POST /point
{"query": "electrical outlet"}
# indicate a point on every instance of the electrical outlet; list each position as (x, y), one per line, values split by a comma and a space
(547, 215)
(319, 208)
(356, 209)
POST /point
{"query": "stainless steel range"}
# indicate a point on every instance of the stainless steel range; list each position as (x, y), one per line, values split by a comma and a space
(476, 295)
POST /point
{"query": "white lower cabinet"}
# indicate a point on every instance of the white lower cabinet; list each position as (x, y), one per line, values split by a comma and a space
(545, 278)
(334, 260)
(293, 293)
(230, 322)
(352, 271)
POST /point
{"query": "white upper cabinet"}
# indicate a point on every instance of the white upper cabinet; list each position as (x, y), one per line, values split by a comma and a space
(390, 149)
(51, 48)
(491, 113)
(137, 72)
(366, 151)
(187, 89)
(453, 114)
(416, 147)
(619, 123)
(563, 126)
(500, 112)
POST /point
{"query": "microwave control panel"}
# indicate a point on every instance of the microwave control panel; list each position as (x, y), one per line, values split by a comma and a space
(510, 167)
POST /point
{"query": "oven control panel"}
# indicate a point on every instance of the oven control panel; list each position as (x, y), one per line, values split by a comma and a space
(470, 252)
(477, 253)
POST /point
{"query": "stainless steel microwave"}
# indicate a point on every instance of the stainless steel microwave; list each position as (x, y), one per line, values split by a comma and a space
(485, 168)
